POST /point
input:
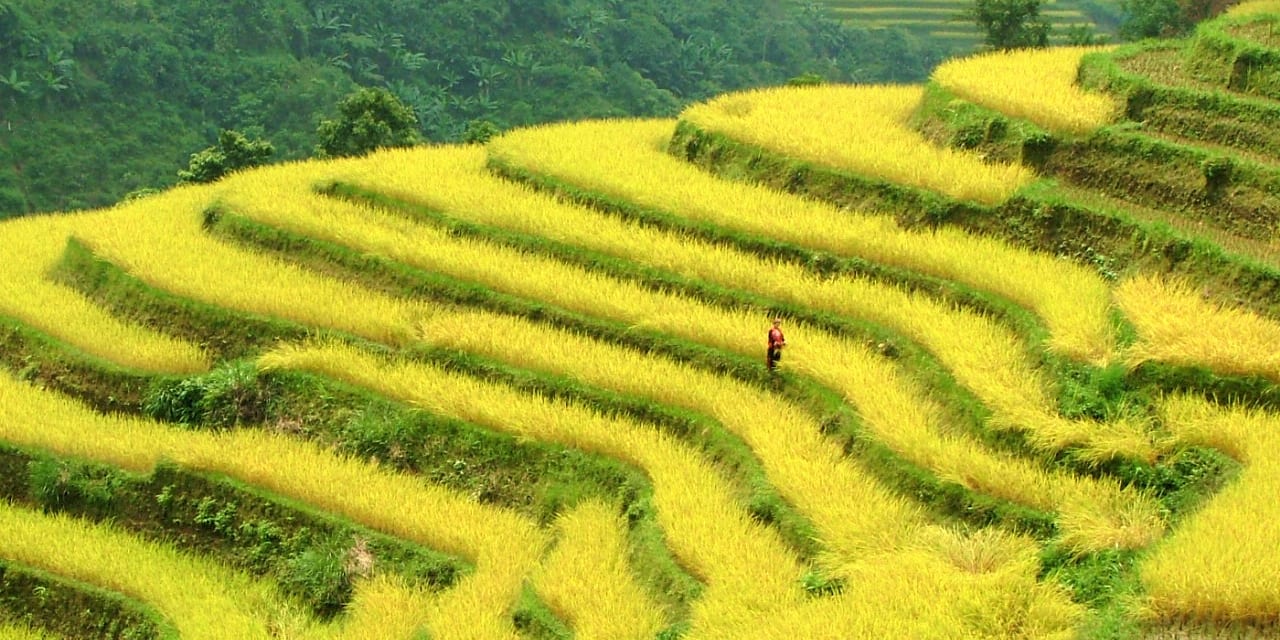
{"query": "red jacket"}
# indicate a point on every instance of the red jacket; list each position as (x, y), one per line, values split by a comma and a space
(775, 338)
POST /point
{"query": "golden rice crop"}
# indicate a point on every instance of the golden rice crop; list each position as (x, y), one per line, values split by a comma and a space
(199, 598)
(503, 545)
(861, 129)
(625, 159)
(1253, 8)
(542, 279)
(1220, 564)
(587, 581)
(984, 356)
(718, 614)
(11, 631)
(383, 605)
(951, 586)
(1093, 513)
(851, 512)
(33, 246)
(192, 264)
(1177, 325)
(741, 562)
(1035, 84)
(159, 240)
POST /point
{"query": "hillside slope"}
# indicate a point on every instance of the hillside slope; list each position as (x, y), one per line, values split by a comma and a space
(518, 390)
(939, 22)
(101, 98)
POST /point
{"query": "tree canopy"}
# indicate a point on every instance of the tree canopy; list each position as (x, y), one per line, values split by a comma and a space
(368, 119)
(1009, 24)
(233, 152)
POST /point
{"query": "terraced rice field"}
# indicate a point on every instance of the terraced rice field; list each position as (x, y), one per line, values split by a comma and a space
(938, 22)
(518, 390)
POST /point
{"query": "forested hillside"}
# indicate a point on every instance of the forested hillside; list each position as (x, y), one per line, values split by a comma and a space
(102, 97)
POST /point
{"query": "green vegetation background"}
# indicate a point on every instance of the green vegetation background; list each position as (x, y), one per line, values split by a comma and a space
(99, 98)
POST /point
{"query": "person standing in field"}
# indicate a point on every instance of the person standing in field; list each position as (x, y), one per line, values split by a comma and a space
(776, 342)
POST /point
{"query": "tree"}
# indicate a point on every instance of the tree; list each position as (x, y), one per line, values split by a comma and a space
(1153, 19)
(1009, 24)
(479, 132)
(368, 119)
(233, 152)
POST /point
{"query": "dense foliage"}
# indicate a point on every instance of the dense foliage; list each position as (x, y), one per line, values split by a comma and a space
(368, 119)
(1009, 24)
(233, 152)
(102, 97)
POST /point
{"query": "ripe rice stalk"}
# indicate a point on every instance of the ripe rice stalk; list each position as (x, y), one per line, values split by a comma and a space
(586, 578)
(1220, 565)
(503, 546)
(983, 356)
(535, 278)
(1093, 513)
(33, 246)
(851, 512)
(1180, 326)
(1252, 8)
(159, 240)
(626, 160)
(1034, 84)
(192, 264)
(950, 586)
(707, 530)
(861, 129)
(717, 614)
(13, 631)
(199, 598)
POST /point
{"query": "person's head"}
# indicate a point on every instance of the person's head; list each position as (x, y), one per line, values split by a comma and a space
(777, 321)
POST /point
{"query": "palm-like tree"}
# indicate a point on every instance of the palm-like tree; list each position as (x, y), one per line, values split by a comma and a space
(486, 74)
(14, 85)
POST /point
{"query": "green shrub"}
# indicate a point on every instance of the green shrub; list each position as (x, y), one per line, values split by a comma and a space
(225, 397)
(479, 132)
(320, 577)
(57, 485)
(1036, 149)
(807, 79)
(1217, 174)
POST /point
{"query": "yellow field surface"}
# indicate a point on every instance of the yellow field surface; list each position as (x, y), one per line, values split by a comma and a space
(985, 357)
(586, 579)
(1034, 84)
(744, 565)
(1253, 8)
(33, 246)
(1220, 564)
(200, 599)
(160, 241)
(504, 546)
(861, 129)
(535, 278)
(625, 160)
(189, 263)
(987, 582)
(16, 632)
(727, 609)
(1177, 325)
(1093, 513)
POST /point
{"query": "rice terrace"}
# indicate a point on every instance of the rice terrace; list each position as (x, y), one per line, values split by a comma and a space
(517, 389)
